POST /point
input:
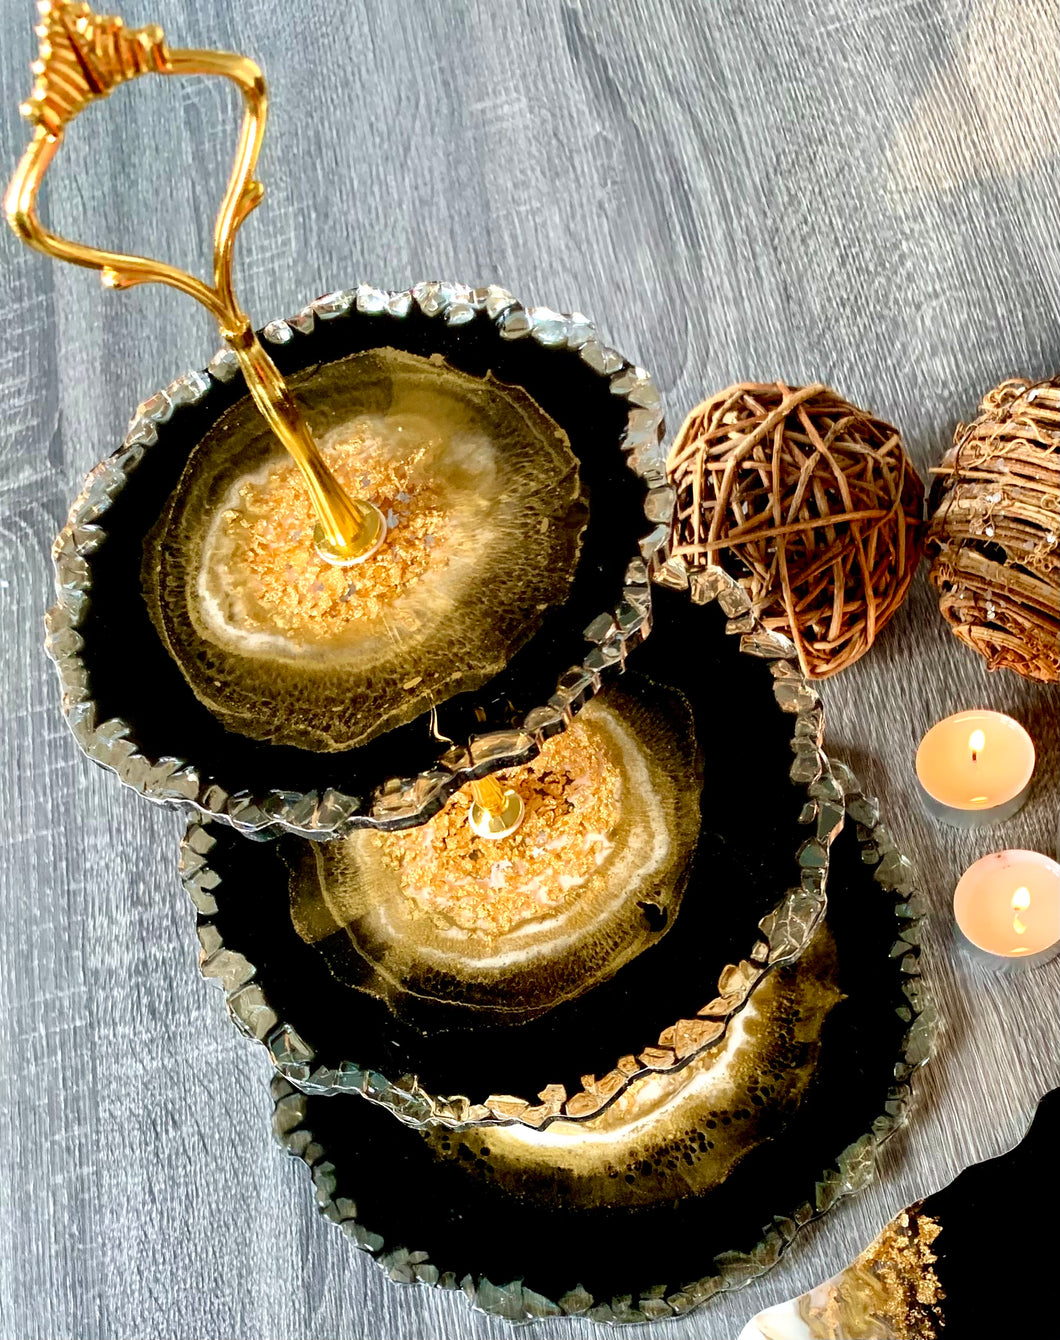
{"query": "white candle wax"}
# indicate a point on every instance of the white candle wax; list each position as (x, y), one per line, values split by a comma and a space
(974, 768)
(1007, 906)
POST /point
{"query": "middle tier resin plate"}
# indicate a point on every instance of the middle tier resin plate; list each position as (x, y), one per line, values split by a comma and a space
(666, 865)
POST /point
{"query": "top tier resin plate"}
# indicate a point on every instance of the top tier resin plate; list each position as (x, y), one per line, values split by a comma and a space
(210, 656)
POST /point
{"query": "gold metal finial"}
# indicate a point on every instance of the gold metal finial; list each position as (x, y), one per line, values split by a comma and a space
(495, 812)
(85, 56)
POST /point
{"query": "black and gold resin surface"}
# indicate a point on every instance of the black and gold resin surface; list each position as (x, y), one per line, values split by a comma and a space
(690, 1183)
(350, 900)
(706, 847)
(369, 653)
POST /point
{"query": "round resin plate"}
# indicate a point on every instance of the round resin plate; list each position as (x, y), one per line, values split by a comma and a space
(691, 1183)
(210, 656)
(712, 875)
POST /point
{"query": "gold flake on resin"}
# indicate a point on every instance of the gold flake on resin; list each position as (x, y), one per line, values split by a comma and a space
(891, 1290)
(485, 513)
(571, 793)
(440, 920)
(681, 1133)
(276, 579)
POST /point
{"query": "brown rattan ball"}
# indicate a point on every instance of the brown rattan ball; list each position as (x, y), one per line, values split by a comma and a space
(811, 503)
(995, 518)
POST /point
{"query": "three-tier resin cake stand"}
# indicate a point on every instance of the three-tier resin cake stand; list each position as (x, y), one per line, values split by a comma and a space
(561, 939)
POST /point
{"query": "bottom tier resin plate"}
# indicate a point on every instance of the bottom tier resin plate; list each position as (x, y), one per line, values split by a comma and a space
(691, 1182)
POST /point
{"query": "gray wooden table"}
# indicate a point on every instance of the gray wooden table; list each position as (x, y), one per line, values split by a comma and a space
(865, 194)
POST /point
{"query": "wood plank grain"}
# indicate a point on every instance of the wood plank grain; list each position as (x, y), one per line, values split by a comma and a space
(865, 194)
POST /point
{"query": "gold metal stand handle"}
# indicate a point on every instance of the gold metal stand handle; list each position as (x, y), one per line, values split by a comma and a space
(84, 57)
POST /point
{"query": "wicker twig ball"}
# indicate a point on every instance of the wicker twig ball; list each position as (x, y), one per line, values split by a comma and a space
(810, 503)
(995, 518)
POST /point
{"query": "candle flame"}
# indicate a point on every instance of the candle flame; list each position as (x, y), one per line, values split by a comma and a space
(1021, 900)
(976, 741)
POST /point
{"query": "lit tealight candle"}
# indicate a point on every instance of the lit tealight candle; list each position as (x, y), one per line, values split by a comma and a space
(1007, 906)
(975, 768)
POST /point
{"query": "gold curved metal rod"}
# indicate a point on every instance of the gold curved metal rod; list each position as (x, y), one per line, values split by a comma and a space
(118, 270)
(243, 193)
(83, 57)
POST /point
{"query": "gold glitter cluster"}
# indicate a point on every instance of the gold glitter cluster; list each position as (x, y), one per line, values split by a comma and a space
(571, 793)
(892, 1282)
(274, 565)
